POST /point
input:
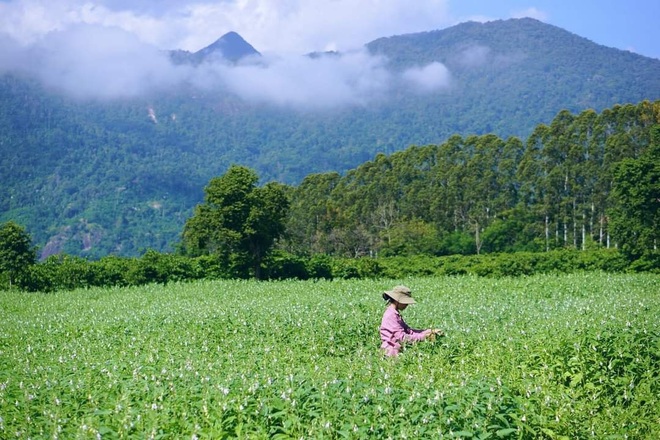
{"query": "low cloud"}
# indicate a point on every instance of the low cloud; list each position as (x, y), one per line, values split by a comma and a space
(322, 82)
(113, 49)
(474, 56)
(98, 62)
(432, 77)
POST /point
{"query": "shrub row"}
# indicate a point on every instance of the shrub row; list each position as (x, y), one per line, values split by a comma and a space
(66, 272)
(487, 265)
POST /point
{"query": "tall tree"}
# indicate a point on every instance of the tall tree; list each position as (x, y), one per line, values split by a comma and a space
(238, 220)
(310, 219)
(636, 190)
(16, 252)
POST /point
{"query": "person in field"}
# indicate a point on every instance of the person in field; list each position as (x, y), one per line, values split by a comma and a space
(393, 330)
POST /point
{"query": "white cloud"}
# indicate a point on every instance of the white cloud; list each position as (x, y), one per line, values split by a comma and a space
(474, 56)
(92, 61)
(432, 77)
(115, 48)
(89, 61)
(283, 26)
(106, 62)
(330, 81)
(27, 21)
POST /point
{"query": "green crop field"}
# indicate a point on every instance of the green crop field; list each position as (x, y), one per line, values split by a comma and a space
(571, 356)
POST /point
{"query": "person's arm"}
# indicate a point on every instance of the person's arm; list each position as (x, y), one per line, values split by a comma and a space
(394, 328)
(410, 334)
(416, 335)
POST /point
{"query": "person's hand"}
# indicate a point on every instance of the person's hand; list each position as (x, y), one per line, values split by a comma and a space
(432, 333)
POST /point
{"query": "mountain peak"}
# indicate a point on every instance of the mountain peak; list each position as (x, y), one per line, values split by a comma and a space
(231, 46)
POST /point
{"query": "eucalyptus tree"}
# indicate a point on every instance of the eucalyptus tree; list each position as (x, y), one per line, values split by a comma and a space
(484, 184)
(311, 217)
(533, 174)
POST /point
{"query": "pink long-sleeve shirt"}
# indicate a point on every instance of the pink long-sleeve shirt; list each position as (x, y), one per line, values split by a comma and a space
(394, 331)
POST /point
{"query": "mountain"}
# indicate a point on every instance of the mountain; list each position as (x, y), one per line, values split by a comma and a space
(230, 47)
(91, 177)
(522, 70)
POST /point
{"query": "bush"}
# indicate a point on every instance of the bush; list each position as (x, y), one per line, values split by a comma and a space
(457, 243)
(112, 271)
(155, 267)
(648, 263)
(345, 268)
(212, 267)
(415, 265)
(64, 272)
(282, 265)
(319, 267)
(38, 279)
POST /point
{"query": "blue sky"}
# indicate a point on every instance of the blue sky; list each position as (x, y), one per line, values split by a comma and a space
(302, 26)
(629, 25)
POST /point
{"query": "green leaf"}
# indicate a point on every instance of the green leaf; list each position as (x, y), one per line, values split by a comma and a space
(505, 432)
(549, 432)
(576, 379)
(104, 430)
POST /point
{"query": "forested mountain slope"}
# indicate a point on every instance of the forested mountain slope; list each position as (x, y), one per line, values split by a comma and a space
(96, 176)
(508, 76)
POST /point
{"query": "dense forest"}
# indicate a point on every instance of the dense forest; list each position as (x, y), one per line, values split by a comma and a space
(482, 193)
(93, 177)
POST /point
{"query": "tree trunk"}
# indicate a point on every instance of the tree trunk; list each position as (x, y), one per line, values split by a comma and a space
(477, 238)
(584, 231)
(574, 226)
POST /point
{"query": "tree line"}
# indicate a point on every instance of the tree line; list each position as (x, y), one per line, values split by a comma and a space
(586, 182)
(565, 187)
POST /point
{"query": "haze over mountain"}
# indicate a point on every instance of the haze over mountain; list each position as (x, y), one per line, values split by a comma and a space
(107, 143)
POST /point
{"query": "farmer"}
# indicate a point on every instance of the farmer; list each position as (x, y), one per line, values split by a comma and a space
(393, 330)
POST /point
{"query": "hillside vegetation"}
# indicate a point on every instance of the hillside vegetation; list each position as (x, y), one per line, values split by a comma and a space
(585, 184)
(94, 177)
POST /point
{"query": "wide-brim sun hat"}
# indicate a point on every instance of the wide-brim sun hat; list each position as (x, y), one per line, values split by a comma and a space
(400, 294)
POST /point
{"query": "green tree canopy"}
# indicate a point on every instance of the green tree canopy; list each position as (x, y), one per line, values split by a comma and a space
(238, 220)
(16, 252)
(636, 190)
